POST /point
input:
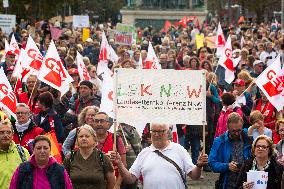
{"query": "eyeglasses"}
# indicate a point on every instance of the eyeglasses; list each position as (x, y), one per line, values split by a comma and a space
(158, 131)
(5, 132)
(236, 131)
(281, 130)
(100, 121)
(19, 113)
(262, 147)
(203, 51)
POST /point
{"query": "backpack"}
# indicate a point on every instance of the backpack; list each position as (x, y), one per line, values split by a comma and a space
(21, 152)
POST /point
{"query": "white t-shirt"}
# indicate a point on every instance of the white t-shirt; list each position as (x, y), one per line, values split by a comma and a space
(157, 172)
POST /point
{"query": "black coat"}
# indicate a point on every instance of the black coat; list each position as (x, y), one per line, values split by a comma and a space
(274, 170)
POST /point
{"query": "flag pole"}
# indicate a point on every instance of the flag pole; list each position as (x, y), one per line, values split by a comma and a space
(33, 91)
(246, 89)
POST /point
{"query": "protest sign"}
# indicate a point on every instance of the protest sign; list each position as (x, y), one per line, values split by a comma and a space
(160, 96)
(85, 34)
(199, 40)
(7, 22)
(81, 21)
(123, 38)
(259, 178)
(125, 34)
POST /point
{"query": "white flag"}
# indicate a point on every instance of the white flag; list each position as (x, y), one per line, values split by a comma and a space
(83, 72)
(52, 71)
(14, 47)
(227, 62)
(152, 62)
(19, 71)
(8, 99)
(271, 83)
(112, 54)
(220, 41)
(34, 58)
(242, 42)
(107, 95)
(104, 56)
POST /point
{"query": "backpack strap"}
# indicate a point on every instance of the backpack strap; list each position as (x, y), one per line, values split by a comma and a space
(21, 153)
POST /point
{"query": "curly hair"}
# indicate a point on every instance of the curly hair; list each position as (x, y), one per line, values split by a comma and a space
(269, 142)
(82, 115)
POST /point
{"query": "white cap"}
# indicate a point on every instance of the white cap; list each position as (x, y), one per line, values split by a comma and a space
(89, 40)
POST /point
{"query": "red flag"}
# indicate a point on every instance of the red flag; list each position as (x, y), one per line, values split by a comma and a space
(104, 56)
(8, 99)
(197, 25)
(167, 26)
(83, 72)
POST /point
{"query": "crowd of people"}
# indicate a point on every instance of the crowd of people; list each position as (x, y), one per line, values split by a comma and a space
(244, 130)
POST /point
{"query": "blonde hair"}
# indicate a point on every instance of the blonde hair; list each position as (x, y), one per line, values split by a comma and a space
(82, 115)
(244, 75)
(280, 121)
(255, 116)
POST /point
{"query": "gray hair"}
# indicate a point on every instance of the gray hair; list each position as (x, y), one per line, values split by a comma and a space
(166, 126)
(23, 105)
(89, 129)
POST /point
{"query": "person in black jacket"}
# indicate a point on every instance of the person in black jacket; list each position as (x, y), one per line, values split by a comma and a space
(47, 117)
(263, 159)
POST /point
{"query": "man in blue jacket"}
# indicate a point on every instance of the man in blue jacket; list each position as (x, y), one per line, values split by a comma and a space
(229, 151)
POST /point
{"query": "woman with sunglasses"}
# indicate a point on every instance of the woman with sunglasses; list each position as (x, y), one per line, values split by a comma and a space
(263, 160)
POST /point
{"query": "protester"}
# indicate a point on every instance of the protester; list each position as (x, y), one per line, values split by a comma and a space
(263, 160)
(227, 100)
(86, 158)
(229, 151)
(11, 155)
(146, 163)
(257, 127)
(86, 116)
(42, 170)
(25, 129)
(279, 146)
(48, 119)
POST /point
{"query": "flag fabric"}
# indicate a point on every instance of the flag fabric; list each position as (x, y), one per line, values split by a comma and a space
(241, 20)
(107, 95)
(14, 47)
(167, 26)
(242, 41)
(227, 62)
(20, 71)
(152, 62)
(104, 56)
(83, 72)
(55, 32)
(140, 63)
(196, 24)
(34, 58)
(174, 133)
(220, 40)
(52, 71)
(270, 81)
(112, 54)
(8, 99)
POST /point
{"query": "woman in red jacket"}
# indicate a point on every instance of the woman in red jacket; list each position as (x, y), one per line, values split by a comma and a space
(25, 129)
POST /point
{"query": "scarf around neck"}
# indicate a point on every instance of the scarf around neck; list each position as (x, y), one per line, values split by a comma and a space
(22, 127)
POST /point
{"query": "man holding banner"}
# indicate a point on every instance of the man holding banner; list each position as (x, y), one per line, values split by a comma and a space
(161, 175)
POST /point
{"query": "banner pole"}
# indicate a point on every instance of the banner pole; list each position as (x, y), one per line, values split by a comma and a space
(204, 114)
(114, 110)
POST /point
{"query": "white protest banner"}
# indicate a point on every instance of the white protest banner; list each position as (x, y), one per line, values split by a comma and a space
(81, 21)
(160, 96)
(7, 22)
(259, 178)
(8, 99)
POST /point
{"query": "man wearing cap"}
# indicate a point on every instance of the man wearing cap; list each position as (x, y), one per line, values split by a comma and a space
(243, 99)
(10, 61)
(258, 67)
(11, 79)
(87, 97)
(73, 72)
(90, 51)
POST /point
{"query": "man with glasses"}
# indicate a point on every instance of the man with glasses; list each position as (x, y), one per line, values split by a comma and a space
(164, 164)
(106, 141)
(229, 151)
(11, 155)
(25, 129)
